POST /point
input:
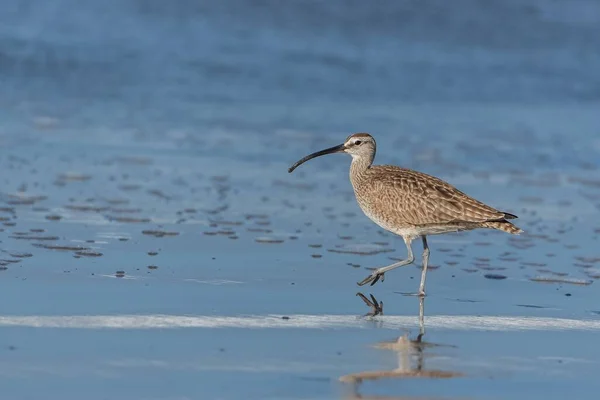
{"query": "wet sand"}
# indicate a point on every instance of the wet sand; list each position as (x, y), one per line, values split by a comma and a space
(204, 268)
(154, 246)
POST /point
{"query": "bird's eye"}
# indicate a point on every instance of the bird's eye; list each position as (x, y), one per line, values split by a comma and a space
(357, 142)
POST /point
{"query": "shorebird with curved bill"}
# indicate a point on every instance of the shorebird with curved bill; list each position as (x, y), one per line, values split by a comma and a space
(409, 203)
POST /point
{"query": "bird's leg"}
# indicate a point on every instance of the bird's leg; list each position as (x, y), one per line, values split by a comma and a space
(378, 273)
(425, 262)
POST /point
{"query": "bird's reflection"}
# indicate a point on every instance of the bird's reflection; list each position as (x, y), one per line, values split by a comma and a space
(412, 354)
(376, 308)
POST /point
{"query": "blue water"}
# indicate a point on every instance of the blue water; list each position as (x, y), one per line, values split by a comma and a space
(139, 134)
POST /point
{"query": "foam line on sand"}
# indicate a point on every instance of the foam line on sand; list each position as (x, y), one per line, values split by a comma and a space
(159, 321)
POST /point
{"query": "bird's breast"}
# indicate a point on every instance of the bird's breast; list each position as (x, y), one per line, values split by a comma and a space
(386, 217)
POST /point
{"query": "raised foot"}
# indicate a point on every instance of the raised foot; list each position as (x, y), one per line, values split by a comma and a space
(373, 278)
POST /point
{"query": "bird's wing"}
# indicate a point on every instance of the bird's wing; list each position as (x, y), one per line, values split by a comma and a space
(421, 199)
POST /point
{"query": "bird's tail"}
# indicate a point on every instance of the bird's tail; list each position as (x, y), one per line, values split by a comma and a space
(503, 225)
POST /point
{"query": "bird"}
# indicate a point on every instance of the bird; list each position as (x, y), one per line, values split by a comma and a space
(410, 203)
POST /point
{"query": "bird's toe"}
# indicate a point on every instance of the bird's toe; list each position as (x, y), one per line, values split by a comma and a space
(372, 279)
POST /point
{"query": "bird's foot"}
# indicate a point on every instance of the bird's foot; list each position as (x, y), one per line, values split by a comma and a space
(417, 294)
(373, 278)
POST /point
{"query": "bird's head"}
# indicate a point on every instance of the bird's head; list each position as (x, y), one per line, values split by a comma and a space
(358, 145)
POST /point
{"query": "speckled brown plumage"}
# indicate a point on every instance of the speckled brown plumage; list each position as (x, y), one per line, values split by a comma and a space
(401, 199)
(410, 203)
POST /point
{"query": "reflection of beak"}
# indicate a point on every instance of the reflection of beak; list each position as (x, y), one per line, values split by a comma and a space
(331, 150)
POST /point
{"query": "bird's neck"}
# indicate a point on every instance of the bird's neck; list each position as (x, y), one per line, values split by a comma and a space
(359, 166)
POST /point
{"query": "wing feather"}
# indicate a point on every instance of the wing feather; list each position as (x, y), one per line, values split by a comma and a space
(420, 199)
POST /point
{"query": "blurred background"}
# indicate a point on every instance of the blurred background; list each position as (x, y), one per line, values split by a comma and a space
(253, 64)
(148, 141)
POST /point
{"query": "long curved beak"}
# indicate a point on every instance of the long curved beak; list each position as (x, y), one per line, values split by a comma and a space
(331, 150)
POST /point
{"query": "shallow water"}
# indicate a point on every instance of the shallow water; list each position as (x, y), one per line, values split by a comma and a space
(155, 247)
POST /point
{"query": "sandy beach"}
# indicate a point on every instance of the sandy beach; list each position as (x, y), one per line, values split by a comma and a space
(154, 245)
